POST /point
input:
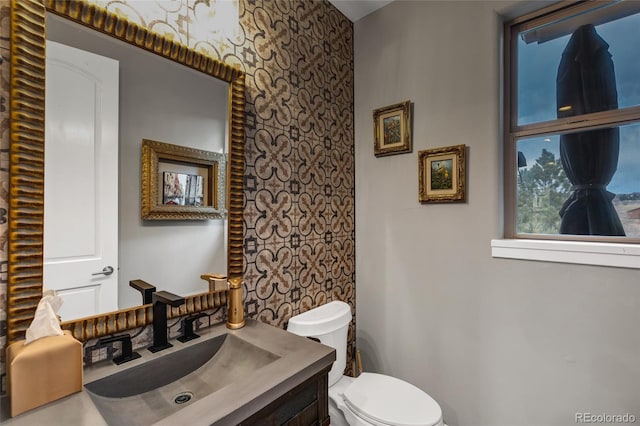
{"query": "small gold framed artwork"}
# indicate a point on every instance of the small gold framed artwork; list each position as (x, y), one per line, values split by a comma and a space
(392, 129)
(442, 174)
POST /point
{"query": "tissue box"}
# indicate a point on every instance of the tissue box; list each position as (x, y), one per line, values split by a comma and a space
(43, 371)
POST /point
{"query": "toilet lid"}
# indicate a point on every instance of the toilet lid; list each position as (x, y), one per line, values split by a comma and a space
(390, 401)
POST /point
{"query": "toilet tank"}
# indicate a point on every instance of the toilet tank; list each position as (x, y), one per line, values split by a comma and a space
(328, 323)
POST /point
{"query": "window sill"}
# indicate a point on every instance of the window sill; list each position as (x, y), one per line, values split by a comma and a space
(585, 253)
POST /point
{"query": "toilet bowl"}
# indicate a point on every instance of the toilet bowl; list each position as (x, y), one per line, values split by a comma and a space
(370, 399)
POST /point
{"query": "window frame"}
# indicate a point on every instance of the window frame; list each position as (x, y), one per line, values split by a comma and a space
(513, 131)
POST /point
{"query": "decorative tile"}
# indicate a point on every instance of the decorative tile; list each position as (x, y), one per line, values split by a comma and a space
(273, 95)
(208, 27)
(314, 212)
(314, 272)
(342, 213)
(274, 214)
(341, 263)
(273, 38)
(311, 16)
(276, 274)
(274, 155)
(313, 164)
(5, 10)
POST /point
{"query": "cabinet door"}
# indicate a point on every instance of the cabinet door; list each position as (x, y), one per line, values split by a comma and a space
(306, 404)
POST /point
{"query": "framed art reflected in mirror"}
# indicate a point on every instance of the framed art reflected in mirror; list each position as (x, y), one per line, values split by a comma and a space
(181, 183)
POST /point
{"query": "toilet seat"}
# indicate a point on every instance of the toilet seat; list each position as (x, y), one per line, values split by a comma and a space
(384, 400)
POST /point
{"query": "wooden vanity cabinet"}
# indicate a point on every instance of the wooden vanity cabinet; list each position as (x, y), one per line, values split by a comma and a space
(306, 404)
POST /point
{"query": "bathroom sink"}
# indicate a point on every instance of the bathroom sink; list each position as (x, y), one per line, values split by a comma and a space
(146, 393)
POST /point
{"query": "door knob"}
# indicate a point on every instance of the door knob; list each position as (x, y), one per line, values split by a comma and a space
(107, 270)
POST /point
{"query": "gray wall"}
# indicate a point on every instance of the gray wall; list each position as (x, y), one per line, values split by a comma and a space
(494, 341)
(162, 101)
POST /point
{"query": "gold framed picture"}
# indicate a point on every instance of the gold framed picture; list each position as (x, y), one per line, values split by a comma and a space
(442, 174)
(392, 129)
(181, 183)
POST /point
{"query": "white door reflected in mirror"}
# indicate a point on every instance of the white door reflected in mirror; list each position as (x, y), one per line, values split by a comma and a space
(163, 101)
(81, 175)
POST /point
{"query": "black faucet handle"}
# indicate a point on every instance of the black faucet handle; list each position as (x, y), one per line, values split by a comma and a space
(167, 298)
(160, 301)
(127, 348)
(187, 327)
(145, 289)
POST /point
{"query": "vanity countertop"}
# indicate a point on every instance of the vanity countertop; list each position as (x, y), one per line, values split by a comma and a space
(300, 359)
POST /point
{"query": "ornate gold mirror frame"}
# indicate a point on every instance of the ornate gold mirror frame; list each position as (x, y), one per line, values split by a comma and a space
(26, 172)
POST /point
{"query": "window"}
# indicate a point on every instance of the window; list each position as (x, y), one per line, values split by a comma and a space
(572, 123)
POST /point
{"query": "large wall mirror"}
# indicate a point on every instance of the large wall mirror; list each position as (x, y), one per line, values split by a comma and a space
(141, 86)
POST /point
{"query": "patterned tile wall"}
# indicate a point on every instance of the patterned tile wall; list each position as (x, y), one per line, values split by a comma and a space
(5, 10)
(299, 175)
(299, 214)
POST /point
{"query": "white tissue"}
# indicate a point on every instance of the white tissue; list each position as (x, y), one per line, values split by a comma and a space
(45, 321)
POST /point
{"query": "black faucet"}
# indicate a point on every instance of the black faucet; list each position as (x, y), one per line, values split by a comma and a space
(145, 289)
(187, 327)
(160, 301)
(127, 353)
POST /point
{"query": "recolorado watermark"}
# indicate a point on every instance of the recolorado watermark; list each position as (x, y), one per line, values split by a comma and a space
(605, 418)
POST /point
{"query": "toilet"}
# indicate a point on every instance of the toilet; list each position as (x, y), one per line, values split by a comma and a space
(369, 399)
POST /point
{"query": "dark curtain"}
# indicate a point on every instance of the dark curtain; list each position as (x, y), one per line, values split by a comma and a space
(586, 83)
